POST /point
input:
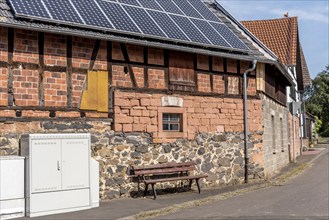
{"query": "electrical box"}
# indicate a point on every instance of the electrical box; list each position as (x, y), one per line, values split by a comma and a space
(12, 203)
(58, 173)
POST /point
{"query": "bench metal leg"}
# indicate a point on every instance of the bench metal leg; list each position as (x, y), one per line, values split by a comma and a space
(154, 192)
(190, 185)
(197, 183)
(146, 187)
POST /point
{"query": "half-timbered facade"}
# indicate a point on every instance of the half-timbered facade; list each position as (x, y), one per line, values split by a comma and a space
(143, 101)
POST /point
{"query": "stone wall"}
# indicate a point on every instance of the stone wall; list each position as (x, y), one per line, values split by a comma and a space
(220, 155)
(275, 138)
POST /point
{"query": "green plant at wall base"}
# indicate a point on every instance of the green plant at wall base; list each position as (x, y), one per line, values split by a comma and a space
(317, 125)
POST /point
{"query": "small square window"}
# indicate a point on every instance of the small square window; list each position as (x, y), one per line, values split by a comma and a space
(171, 122)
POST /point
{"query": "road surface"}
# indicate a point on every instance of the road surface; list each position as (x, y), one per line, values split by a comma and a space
(304, 197)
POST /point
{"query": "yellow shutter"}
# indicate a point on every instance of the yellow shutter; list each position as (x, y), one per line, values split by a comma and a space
(96, 95)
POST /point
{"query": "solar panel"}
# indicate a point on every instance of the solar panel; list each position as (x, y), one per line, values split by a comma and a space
(204, 10)
(93, 17)
(167, 25)
(210, 32)
(118, 16)
(34, 8)
(150, 4)
(191, 31)
(144, 21)
(129, 2)
(169, 6)
(188, 9)
(184, 21)
(230, 37)
(62, 10)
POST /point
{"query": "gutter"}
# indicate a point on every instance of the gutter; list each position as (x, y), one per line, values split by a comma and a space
(245, 113)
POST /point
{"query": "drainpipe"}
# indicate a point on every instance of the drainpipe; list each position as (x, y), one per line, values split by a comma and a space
(245, 113)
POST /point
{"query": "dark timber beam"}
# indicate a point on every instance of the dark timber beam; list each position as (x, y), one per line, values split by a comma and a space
(146, 76)
(41, 94)
(11, 36)
(94, 55)
(130, 69)
(211, 74)
(109, 72)
(166, 64)
(195, 63)
(69, 70)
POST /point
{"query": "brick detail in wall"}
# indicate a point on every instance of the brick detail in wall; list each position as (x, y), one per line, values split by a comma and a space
(203, 62)
(3, 86)
(139, 112)
(55, 50)
(156, 56)
(232, 66)
(204, 83)
(244, 65)
(26, 46)
(251, 86)
(26, 87)
(82, 49)
(77, 88)
(3, 44)
(55, 89)
(101, 59)
(139, 76)
(156, 79)
(119, 77)
(218, 64)
(135, 53)
(219, 84)
(116, 52)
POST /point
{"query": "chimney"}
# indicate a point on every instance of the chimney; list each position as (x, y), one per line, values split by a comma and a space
(286, 15)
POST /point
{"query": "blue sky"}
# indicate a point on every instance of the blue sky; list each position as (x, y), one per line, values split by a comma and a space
(313, 23)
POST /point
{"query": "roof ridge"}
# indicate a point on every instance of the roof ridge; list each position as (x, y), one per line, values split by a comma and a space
(271, 19)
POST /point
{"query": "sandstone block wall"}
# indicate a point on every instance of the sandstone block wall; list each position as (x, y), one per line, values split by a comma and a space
(139, 112)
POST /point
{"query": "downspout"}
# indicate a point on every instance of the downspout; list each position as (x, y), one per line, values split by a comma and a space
(245, 113)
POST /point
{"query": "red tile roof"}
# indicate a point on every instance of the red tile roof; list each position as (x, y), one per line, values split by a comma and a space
(281, 36)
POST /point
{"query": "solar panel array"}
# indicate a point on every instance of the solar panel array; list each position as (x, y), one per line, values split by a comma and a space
(185, 21)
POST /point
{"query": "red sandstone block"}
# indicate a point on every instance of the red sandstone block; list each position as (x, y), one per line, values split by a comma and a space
(121, 102)
(136, 120)
(118, 127)
(151, 128)
(204, 121)
(134, 112)
(123, 119)
(139, 127)
(154, 121)
(144, 120)
(145, 102)
(127, 127)
(145, 113)
(133, 102)
(153, 113)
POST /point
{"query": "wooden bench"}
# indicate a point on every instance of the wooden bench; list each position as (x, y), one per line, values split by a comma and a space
(166, 172)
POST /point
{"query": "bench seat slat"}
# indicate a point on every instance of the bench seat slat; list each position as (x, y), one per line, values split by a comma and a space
(163, 171)
(151, 181)
(164, 165)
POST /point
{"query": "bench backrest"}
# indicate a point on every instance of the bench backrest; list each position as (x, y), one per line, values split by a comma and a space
(164, 168)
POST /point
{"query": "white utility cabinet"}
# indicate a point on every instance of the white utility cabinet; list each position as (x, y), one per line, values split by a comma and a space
(58, 173)
(12, 203)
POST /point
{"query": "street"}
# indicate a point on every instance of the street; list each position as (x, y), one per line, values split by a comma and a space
(304, 197)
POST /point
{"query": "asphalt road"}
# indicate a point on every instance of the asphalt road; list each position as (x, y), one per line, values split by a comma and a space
(304, 197)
